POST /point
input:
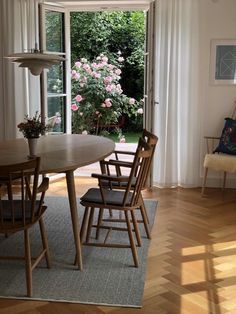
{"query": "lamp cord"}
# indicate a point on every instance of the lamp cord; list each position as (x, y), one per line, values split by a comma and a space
(35, 26)
(22, 25)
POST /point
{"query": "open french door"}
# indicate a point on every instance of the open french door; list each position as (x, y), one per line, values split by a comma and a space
(56, 82)
(56, 99)
(149, 70)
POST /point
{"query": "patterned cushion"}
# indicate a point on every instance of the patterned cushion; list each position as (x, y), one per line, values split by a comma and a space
(227, 142)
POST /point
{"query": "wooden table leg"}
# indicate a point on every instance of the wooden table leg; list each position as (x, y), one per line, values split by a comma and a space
(74, 216)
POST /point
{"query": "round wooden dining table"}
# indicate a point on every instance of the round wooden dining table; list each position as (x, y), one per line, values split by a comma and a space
(62, 153)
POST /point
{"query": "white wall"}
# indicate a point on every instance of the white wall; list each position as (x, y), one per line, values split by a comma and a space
(217, 21)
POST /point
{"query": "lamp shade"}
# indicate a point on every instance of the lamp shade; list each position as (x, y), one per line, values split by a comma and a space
(35, 61)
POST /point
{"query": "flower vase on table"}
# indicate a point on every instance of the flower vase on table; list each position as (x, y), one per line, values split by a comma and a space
(32, 143)
(32, 128)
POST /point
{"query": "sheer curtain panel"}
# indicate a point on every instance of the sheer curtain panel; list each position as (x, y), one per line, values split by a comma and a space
(177, 114)
(18, 89)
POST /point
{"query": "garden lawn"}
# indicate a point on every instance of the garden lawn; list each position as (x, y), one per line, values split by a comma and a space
(131, 137)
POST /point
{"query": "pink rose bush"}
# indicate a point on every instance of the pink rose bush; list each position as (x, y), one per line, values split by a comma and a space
(97, 97)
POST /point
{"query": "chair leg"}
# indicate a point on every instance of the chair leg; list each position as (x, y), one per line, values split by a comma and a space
(144, 208)
(9, 192)
(83, 228)
(28, 265)
(145, 222)
(131, 239)
(204, 181)
(90, 223)
(224, 180)
(45, 242)
(84, 223)
(10, 197)
(136, 229)
(99, 223)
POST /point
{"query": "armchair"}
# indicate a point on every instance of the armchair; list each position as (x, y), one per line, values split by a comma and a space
(126, 201)
(221, 151)
(21, 212)
(118, 164)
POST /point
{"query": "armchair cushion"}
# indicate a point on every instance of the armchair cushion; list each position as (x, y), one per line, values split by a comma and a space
(220, 162)
(227, 142)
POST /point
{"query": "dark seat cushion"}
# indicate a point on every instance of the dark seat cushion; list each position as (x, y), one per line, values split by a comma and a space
(112, 197)
(227, 142)
(7, 214)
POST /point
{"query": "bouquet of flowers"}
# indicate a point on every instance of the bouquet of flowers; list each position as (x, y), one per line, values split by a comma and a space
(32, 127)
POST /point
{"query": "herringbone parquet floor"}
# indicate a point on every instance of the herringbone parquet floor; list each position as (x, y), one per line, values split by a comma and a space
(192, 257)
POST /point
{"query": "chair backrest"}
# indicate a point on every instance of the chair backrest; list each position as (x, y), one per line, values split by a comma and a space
(151, 140)
(233, 116)
(211, 143)
(20, 210)
(138, 172)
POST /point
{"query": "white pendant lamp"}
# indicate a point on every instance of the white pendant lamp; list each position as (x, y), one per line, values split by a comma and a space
(35, 60)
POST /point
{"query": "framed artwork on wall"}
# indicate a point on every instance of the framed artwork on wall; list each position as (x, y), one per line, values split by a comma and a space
(223, 62)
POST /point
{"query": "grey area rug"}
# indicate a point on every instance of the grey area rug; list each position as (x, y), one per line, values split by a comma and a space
(108, 277)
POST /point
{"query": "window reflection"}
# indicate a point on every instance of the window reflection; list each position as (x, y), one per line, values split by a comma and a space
(54, 31)
(56, 113)
(55, 77)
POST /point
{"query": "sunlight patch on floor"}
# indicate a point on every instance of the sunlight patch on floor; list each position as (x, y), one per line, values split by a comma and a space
(194, 250)
(193, 272)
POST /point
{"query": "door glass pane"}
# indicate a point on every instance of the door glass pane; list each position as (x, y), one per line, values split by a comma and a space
(55, 77)
(54, 31)
(56, 113)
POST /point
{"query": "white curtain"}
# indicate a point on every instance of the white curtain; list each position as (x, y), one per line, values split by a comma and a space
(177, 117)
(19, 90)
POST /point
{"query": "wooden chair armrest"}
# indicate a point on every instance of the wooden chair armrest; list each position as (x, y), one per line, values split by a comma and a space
(211, 143)
(121, 163)
(106, 165)
(212, 137)
(110, 178)
(123, 152)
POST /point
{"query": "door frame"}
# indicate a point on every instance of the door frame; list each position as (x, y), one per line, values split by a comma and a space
(43, 77)
(149, 70)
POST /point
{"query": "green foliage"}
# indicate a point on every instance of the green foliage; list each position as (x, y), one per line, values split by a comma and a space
(54, 31)
(130, 137)
(98, 99)
(93, 33)
(111, 34)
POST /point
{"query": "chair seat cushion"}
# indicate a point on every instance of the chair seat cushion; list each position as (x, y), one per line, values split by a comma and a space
(112, 197)
(7, 215)
(220, 162)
